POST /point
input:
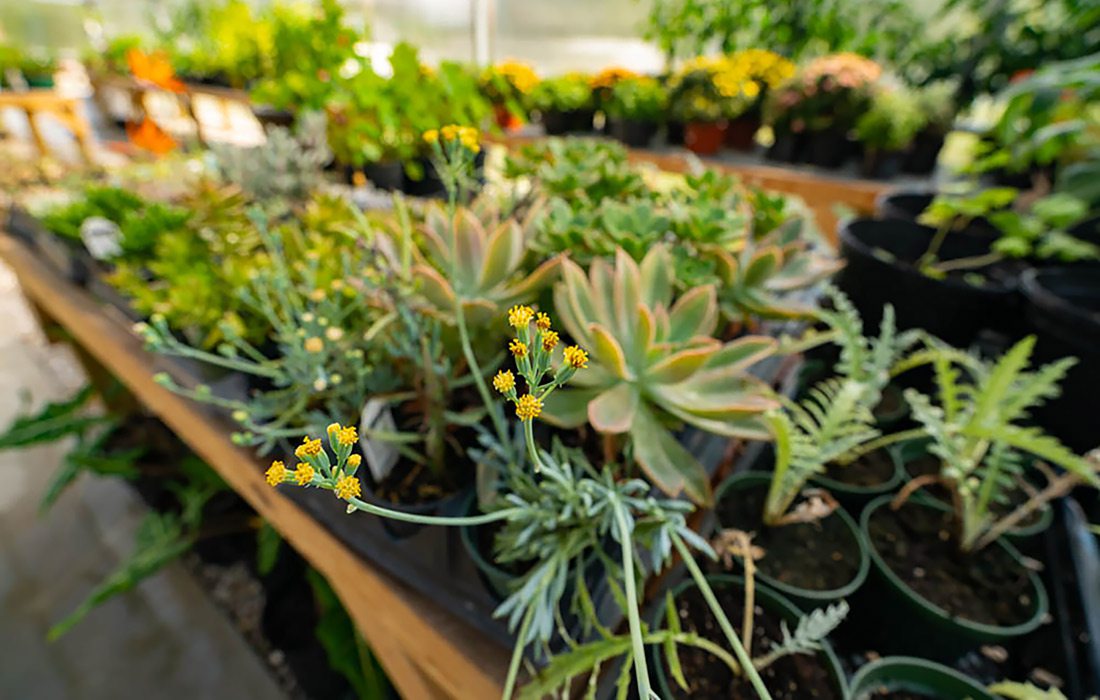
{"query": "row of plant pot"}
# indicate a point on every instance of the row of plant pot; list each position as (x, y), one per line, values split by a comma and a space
(833, 149)
(1060, 304)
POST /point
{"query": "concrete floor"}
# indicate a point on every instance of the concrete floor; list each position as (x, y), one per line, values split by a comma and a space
(165, 640)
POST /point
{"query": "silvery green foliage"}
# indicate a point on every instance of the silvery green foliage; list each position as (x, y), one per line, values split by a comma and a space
(288, 166)
(812, 629)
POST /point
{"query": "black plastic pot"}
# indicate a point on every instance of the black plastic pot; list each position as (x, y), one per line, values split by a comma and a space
(556, 123)
(905, 204)
(881, 165)
(674, 133)
(913, 675)
(828, 148)
(923, 153)
(430, 185)
(271, 117)
(930, 631)
(771, 602)
(879, 270)
(855, 497)
(805, 598)
(1062, 309)
(386, 175)
(632, 132)
(788, 146)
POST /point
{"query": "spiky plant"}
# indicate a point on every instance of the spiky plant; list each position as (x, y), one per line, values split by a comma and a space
(657, 366)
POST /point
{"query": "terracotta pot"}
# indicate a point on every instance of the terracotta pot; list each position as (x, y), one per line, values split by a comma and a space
(505, 119)
(704, 138)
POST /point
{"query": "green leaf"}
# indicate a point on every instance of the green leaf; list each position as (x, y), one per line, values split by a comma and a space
(694, 314)
(1025, 691)
(564, 667)
(268, 542)
(53, 422)
(607, 351)
(667, 463)
(613, 411)
(672, 658)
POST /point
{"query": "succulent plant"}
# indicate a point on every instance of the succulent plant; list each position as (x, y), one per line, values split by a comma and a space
(656, 365)
(479, 259)
(758, 281)
(288, 165)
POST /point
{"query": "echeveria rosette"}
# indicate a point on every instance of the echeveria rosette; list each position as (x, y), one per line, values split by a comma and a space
(656, 365)
(489, 274)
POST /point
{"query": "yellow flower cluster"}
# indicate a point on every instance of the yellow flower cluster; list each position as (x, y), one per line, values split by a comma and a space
(575, 357)
(609, 76)
(466, 135)
(519, 74)
(518, 347)
(303, 474)
(504, 381)
(347, 487)
(308, 448)
(742, 74)
(528, 407)
(344, 436)
(276, 473)
(520, 316)
(314, 345)
(549, 340)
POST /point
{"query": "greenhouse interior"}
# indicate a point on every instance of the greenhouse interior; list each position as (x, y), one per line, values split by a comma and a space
(523, 349)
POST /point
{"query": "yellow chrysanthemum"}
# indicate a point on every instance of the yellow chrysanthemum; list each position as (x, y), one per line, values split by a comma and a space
(504, 381)
(276, 473)
(354, 461)
(303, 474)
(542, 321)
(575, 357)
(314, 344)
(528, 407)
(348, 487)
(431, 136)
(308, 448)
(518, 348)
(520, 316)
(549, 340)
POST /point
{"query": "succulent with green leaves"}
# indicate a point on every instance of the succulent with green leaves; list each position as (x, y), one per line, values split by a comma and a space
(657, 365)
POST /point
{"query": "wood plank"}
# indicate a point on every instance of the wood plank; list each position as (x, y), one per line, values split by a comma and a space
(427, 652)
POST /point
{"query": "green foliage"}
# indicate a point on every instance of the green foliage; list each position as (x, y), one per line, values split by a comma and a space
(893, 120)
(347, 653)
(977, 428)
(585, 172)
(288, 166)
(268, 544)
(563, 93)
(657, 365)
(221, 41)
(1025, 691)
(641, 99)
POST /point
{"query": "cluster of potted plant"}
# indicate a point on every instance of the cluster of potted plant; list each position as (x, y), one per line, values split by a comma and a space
(34, 68)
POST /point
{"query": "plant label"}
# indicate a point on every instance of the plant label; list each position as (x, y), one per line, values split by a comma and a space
(101, 237)
(381, 457)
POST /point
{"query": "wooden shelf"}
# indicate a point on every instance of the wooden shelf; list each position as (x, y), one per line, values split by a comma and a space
(427, 652)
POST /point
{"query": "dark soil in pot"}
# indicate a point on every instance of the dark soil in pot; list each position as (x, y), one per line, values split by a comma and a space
(412, 488)
(880, 268)
(917, 543)
(872, 469)
(794, 677)
(819, 556)
(270, 117)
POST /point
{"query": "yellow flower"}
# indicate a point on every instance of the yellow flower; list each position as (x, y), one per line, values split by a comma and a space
(348, 487)
(549, 340)
(308, 448)
(334, 333)
(431, 136)
(354, 461)
(505, 381)
(317, 295)
(314, 344)
(303, 474)
(332, 429)
(575, 357)
(276, 473)
(518, 347)
(520, 316)
(347, 436)
(542, 322)
(528, 407)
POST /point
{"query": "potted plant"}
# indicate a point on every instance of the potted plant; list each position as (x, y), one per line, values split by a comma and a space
(508, 86)
(634, 108)
(936, 103)
(695, 99)
(565, 103)
(834, 90)
(751, 74)
(887, 129)
(602, 83)
(904, 676)
(975, 427)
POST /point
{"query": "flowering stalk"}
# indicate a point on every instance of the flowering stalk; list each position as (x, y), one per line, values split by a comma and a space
(533, 352)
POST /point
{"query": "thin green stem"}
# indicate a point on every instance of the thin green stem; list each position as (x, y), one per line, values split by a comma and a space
(433, 519)
(517, 654)
(880, 442)
(491, 405)
(641, 672)
(529, 436)
(727, 628)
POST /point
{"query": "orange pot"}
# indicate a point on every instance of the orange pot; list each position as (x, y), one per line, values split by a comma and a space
(704, 138)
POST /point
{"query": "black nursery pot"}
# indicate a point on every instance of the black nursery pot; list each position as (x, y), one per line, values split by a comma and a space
(923, 153)
(788, 146)
(1062, 309)
(674, 133)
(430, 185)
(271, 117)
(829, 148)
(925, 679)
(386, 175)
(880, 256)
(556, 122)
(881, 165)
(632, 132)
